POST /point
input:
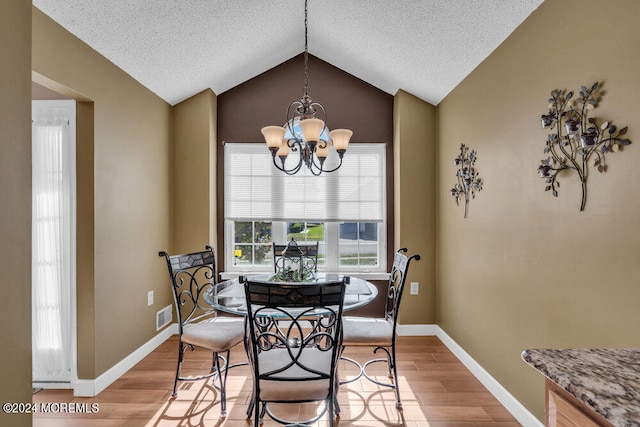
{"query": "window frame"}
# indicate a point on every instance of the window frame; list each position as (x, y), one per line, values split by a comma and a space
(331, 242)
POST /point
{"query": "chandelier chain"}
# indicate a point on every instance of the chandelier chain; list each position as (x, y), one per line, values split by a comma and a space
(306, 52)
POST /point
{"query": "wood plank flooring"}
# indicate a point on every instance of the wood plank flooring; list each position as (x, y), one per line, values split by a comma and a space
(436, 391)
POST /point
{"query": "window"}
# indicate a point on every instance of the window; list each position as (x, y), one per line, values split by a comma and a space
(344, 211)
(252, 240)
(53, 242)
(358, 244)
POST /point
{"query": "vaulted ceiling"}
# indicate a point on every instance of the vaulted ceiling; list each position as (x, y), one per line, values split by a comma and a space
(178, 48)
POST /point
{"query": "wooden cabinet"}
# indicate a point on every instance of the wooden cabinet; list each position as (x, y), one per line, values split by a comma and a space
(564, 410)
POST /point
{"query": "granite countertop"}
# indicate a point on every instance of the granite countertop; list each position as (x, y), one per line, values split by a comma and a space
(606, 380)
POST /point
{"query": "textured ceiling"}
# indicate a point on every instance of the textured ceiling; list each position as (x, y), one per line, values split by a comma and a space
(177, 48)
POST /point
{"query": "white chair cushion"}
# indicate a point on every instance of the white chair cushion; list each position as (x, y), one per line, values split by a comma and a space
(307, 389)
(366, 331)
(217, 334)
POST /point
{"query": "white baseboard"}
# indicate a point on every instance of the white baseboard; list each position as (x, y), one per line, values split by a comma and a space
(52, 385)
(90, 388)
(417, 330)
(512, 405)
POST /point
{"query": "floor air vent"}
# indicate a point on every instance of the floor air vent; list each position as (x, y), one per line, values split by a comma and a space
(163, 317)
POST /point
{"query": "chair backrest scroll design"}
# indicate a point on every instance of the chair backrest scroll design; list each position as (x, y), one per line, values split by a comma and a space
(398, 276)
(191, 276)
(278, 318)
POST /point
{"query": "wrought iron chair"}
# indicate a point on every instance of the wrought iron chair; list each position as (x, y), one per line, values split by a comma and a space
(295, 255)
(198, 325)
(293, 360)
(380, 332)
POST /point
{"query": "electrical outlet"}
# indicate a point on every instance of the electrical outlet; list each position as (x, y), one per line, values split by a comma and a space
(414, 288)
(150, 298)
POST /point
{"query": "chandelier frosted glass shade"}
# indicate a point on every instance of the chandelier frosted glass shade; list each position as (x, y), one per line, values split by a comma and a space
(340, 138)
(311, 129)
(293, 130)
(273, 136)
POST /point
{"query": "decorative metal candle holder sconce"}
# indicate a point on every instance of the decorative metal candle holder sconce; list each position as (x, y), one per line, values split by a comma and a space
(468, 181)
(295, 264)
(579, 141)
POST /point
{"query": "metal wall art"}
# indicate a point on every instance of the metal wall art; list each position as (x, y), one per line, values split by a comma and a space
(468, 182)
(578, 141)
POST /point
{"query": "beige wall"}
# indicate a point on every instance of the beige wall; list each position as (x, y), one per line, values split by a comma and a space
(193, 173)
(40, 92)
(131, 217)
(15, 214)
(414, 157)
(525, 269)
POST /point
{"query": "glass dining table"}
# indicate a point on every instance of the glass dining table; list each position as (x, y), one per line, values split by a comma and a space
(229, 296)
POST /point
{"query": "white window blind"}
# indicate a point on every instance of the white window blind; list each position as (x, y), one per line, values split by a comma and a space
(255, 190)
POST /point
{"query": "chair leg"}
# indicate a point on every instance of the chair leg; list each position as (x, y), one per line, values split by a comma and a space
(396, 387)
(214, 362)
(252, 403)
(222, 377)
(336, 388)
(336, 405)
(332, 415)
(247, 344)
(258, 416)
(180, 358)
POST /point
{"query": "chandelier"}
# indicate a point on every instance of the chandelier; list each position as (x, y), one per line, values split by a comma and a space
(304, 133)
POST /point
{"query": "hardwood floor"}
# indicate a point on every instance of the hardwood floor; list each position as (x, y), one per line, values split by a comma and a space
(436, 390)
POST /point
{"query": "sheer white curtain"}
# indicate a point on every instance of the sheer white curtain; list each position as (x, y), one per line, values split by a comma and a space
(53, 179)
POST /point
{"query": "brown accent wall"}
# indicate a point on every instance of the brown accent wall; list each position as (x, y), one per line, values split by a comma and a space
(414, 157)
(350, 103)
(193, 171)
(15, 214)
(131, 204)
(525, 269)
